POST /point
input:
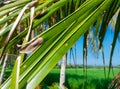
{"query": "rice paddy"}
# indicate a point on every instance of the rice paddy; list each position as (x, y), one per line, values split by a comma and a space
(76, 79)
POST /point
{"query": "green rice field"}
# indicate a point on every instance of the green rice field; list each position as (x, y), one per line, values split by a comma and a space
(76, 79)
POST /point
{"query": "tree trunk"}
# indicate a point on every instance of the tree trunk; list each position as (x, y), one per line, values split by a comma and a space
(3, 69)
(62, 72)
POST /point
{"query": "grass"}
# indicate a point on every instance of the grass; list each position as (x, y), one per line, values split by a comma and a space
(7, 73)
(75, 78)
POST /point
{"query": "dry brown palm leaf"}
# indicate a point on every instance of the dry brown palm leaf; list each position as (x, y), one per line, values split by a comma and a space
(32, 45)
(115, 83)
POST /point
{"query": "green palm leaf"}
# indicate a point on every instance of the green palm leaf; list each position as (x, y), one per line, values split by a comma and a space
(58, 39)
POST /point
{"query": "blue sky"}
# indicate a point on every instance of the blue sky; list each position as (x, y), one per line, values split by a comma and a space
(92, 58)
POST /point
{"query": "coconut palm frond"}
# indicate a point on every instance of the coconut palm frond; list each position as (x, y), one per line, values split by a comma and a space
(116, 33)
(59, 37)
(108, 14)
